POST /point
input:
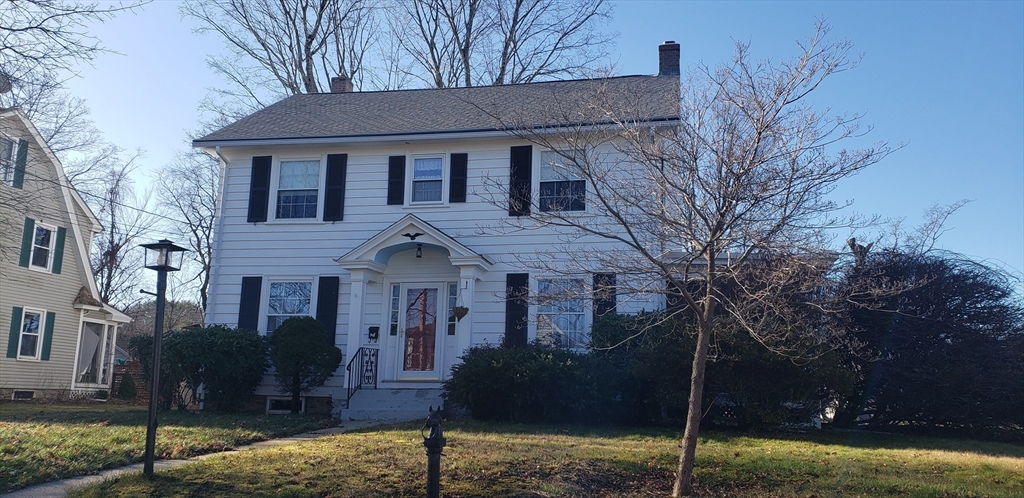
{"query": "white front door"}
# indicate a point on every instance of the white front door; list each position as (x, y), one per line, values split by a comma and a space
(420, 331)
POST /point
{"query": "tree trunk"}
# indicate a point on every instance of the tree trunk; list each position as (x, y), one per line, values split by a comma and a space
(688, 446)
(296, 392)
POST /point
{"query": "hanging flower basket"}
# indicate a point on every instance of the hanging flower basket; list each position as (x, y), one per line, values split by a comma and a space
(460, 311)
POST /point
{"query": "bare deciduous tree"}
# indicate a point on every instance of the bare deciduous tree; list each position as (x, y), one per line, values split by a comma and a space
(191, 202)
(281, 48)
(117, 261)
(473, 42)
(726, 215)
(41, 42)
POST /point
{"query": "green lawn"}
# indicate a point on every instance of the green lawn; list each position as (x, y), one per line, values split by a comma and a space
(40, 442)
(493, 460)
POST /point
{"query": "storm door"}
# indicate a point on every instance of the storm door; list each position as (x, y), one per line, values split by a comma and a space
(419, 337)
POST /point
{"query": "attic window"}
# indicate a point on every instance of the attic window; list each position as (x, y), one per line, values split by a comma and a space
(8, 148)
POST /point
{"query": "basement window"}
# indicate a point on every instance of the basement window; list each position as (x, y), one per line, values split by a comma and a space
(22, 395)
(280, 406)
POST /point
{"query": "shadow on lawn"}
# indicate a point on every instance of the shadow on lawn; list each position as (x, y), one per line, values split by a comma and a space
(855, 439)
(132, 416)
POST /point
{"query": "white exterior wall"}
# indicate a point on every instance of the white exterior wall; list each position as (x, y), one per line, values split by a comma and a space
(306, 250)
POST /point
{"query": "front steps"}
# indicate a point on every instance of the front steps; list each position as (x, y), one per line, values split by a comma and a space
(387, 405)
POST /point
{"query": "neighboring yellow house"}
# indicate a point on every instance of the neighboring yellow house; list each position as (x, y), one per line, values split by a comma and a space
(56, 337)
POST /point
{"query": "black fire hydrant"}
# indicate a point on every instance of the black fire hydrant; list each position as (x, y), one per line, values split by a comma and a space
(434, 442)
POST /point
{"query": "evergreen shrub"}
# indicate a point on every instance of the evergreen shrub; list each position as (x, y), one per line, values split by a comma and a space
(532, 383)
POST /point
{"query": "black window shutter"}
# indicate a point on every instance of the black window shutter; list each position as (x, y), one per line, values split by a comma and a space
(334, 199)
(604, 294)
(259, 189)
(12, 339)
(20, 161)
(459, 174)
(396, 180)
(517, 289)
(327, 306)
(249, 303)
(520, 180)
(47, 336)
(26, 242)
(58, 250)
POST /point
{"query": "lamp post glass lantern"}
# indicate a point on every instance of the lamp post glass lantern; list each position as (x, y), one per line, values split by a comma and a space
(162, 257)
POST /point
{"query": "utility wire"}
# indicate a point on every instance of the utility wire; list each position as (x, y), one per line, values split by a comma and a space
(104, 199)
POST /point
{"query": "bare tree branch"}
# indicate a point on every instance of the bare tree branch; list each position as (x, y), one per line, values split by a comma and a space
(727, 216)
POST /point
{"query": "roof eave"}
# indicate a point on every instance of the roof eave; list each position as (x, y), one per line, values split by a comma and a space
(399, 137)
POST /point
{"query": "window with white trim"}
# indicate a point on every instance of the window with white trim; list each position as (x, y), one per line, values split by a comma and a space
(8, 153)
(396, 304)
(42, 247)
(287, 299)
(561, 313)
(561, 188)
(298, 189)
(428, 179)
(31, 338)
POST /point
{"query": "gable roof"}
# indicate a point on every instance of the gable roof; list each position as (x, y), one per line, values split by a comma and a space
(454, 110)
(73, 204)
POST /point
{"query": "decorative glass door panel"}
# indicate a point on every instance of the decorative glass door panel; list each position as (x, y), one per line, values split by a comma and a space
(420, 337)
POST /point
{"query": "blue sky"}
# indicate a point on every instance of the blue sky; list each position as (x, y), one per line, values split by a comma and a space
(945, 78)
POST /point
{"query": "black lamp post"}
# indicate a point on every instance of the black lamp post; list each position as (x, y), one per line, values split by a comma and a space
(163, 257)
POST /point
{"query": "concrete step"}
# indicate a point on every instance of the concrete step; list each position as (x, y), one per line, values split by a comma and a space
(388, 405)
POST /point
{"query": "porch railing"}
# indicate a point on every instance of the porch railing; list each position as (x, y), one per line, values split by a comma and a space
(362, 371)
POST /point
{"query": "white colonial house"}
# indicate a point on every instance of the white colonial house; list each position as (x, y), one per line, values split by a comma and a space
(379, 214)
(58, 338)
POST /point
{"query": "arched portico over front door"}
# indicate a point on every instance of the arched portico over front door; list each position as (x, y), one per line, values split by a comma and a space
(406, 282)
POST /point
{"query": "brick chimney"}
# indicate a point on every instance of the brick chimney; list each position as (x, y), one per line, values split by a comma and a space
(343, 84)
(668, 59)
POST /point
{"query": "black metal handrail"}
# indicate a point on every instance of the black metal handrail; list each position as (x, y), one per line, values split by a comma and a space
(362, 371)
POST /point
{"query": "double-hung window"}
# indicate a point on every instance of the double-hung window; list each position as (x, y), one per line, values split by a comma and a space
(287, 299)
(30, 339)
(42, 247)
(561, 188)
(427, 179)
(298, 188)
(8, 150)
(561, 317)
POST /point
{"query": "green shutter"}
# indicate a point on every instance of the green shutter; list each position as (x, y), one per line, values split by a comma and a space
(12, 340)
(47, 335)
(19, 165)
(26, 242)
(58, 250)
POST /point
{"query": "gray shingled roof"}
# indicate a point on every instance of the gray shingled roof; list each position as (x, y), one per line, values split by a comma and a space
(454, 110)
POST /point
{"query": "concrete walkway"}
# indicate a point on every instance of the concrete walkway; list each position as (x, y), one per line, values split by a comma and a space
(59, 488)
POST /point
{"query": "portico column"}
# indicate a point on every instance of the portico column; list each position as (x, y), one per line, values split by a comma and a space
(468, 276)
(357, 297)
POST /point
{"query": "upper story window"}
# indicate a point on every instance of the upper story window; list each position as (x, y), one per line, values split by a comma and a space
(8, 151)
(561, 313)
(42, 247)
(287, 299)
(29, 340)
(298, 189)
(428, 179)
(561, 188)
